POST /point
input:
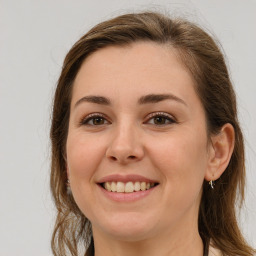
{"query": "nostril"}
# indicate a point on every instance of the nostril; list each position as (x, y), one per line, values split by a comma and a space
(113, 158)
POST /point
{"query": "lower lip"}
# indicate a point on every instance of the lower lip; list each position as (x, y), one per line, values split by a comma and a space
(126, 197)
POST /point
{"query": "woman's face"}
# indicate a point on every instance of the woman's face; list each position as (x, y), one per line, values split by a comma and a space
(136, 127)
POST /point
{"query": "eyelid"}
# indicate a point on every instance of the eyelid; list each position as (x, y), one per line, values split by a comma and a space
(88, 117)
(160, 113)
(164, 114)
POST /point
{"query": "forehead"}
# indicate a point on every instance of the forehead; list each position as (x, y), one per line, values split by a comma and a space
(138, 67)
(136, 56)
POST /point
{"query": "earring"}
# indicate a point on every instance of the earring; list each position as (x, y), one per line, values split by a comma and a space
(211, 183)
(68, 187)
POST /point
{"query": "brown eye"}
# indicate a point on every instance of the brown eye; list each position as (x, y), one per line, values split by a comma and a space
(94, 120)
(98, 121)
(160, 118)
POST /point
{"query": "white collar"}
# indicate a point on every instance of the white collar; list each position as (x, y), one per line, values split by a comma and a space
(213, 251)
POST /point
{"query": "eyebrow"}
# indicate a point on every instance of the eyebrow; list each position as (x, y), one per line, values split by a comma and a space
(147, 99)
(154, 98)
(94, 99)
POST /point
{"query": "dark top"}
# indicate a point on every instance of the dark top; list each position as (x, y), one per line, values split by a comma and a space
(206, 248)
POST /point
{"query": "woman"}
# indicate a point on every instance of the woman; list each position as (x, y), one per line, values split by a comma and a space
(147, 152)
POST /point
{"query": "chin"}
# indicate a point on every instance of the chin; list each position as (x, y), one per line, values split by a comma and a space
(129, 234)
(127, 228)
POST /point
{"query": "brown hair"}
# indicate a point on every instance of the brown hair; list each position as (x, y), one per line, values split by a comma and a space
(200, 54)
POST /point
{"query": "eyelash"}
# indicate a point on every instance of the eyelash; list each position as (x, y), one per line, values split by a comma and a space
(166, 116)
(94, 116)
(91, 117)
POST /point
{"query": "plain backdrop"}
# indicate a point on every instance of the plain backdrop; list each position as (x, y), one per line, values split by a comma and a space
(35, 35)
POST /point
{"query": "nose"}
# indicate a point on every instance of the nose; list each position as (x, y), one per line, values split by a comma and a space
(125, 146)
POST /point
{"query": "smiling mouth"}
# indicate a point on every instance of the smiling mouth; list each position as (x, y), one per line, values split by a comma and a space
(127, 187)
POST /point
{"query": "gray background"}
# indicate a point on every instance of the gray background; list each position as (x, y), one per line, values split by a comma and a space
(35, 35)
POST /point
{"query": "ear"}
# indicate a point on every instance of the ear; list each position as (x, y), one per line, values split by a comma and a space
(220, 152)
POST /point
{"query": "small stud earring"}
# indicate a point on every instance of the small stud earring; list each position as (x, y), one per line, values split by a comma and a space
(211, 183)
(68, 187)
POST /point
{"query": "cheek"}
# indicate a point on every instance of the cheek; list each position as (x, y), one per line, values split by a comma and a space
(182, 161)
(84, 153)
(180, 152)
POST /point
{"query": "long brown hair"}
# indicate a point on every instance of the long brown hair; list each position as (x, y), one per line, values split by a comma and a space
(202, 57)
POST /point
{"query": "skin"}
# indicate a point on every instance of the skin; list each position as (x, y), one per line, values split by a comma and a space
(128, 139)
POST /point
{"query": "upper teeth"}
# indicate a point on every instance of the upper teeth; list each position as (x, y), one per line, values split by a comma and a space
(127, 187)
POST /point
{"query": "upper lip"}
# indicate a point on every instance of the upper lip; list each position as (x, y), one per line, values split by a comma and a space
(126, 178)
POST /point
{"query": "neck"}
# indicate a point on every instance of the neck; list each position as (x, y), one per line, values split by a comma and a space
(181, 242)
